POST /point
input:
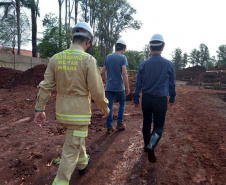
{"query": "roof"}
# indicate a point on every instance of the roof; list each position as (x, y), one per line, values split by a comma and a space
(22, 51)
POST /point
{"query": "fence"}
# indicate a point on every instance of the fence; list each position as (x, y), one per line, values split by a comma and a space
(20, 62)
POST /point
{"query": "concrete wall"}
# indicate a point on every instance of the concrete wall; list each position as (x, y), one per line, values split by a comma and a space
(20, 62)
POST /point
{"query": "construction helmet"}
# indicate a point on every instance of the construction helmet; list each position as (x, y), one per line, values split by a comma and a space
(83, 29)
(157, 37)
(120, 41)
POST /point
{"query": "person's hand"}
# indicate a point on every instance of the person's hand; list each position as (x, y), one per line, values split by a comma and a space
(137, 105)
(127, 91)
(170, 104)
(105, 116)
(40, 118)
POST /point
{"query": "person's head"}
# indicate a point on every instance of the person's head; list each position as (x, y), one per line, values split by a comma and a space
(120, 45)
(157, 43)
(83, 35)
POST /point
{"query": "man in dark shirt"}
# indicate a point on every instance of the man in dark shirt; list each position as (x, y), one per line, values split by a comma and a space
(156, 78)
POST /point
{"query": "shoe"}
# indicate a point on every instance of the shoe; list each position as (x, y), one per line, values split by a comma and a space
(82, 172)
(145, 149)
(121, 126)
(110, 130)
(151, 155)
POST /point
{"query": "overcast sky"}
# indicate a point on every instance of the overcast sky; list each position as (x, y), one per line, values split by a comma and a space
(183, 23)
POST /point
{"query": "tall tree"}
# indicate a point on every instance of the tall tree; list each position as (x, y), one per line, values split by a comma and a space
(8, 33)
(147, 52)
(204, 55)
(60, 2)
(15, 6)
(110, 18)
(221, 54)
(194, 57)
(33, 6)
(177, 59)
(134, 59)
(184, 60)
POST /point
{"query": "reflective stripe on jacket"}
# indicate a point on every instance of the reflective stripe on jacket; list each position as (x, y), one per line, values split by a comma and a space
(76, 78)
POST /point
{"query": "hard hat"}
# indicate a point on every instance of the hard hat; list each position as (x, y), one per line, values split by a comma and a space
(157, 37)
(83, 29)
(120, 41)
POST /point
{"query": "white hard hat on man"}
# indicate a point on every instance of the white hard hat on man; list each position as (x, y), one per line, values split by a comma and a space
(83, 29)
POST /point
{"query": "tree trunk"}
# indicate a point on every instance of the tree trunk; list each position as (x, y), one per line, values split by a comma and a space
(60, 25)
(76, 11)
(18, 25)
(34, 33)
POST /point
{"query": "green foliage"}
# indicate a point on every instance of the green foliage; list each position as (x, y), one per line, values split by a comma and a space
(200, 57)
(111, 18)
(8, 33)
(177, 59)
(95, 52)
(134, 59)
(221, 54)
(147, 52)
(49, 44)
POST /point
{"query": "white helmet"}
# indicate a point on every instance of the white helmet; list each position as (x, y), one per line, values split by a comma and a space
(120, 41)
(83, 29)
(157, 37)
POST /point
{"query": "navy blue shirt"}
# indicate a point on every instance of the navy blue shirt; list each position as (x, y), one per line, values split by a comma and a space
(156, 76)
(114, 63)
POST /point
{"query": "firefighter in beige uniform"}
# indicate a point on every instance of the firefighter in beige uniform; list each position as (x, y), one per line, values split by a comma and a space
(76, 78)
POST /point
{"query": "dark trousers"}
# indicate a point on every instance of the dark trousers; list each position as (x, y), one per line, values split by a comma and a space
(154, 109)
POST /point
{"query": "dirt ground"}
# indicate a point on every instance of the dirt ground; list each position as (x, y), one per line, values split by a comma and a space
(191, 151)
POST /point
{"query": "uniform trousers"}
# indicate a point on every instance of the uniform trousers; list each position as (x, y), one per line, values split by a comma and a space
(74, 153)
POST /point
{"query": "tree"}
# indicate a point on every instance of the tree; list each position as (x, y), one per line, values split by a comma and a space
(8, 34)
(177, 59)
(33, 6)
(60, 2)
(221, 54)
(184, 60)
(134, 59)
(146, 51)
(109, 18)
(50, 43)
(204, 55)
(15, 6)
(194, 57)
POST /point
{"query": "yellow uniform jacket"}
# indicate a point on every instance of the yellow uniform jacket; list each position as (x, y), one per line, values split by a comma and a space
(76, 78)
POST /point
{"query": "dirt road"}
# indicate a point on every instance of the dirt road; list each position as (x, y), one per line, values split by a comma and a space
(191, 151)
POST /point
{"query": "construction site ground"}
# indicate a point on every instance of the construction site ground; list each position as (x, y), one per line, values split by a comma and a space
(191, 151)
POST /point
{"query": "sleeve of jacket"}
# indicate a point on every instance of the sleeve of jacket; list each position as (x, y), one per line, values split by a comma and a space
(172, 85)
(96, 86)
(45, 87)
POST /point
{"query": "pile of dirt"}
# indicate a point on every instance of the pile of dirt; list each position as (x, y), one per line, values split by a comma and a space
(7, 77)
(190, 73)
(10, 77)
(197, 75)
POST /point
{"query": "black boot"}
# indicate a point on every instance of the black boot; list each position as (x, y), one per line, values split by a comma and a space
(152, 144)
(146, 142)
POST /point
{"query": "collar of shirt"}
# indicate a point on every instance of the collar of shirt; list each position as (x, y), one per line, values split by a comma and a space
(77, 47)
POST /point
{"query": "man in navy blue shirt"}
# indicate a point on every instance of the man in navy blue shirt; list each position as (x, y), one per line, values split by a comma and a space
(156, 78)
(117, 83)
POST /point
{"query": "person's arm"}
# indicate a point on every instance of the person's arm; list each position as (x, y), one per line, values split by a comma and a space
(125, 79)
(138, 86)
(96, 87)
(172, 85)
(45, 88)
(104, 74)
